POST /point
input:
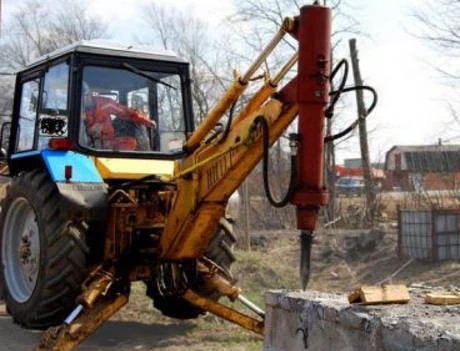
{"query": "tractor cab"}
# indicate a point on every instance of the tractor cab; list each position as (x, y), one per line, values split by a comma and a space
(103, 101)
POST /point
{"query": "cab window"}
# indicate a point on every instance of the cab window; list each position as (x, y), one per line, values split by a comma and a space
(27, 115)
(53, 116)
(170, 114)
(115, 103)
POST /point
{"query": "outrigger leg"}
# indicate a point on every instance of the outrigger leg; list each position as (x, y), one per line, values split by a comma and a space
(97, 304)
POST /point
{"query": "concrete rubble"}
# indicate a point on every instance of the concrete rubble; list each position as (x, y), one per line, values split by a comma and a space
(322, 321)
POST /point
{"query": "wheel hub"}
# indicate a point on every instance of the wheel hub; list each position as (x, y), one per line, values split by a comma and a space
(21, 250)
(28, 255)
(24, 250)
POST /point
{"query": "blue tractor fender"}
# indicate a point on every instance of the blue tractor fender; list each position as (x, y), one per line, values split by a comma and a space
(82, 167)
(74, 174)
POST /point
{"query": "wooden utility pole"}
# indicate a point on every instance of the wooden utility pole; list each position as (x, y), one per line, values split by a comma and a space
(366, 163)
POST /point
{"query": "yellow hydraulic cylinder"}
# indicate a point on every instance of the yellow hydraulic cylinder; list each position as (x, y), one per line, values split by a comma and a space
(236, 89)
(230, 96)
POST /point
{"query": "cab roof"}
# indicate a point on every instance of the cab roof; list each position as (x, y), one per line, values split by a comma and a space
(109, 48)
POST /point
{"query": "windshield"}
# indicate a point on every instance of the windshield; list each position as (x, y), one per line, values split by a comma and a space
(126, 109)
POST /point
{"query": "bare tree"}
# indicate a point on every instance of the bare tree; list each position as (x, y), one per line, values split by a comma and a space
(6, 97)
(440, 27)
(38, 27)
(268, 15)
(71, 22)
(192, 40)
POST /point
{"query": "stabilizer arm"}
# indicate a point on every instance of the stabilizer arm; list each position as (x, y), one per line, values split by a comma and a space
(67, 337)
(96, 305)
(225, 312)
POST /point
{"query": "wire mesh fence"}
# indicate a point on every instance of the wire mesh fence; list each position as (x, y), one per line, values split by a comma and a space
(429, 234)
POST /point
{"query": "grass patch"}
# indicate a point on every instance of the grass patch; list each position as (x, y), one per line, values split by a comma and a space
(259, 271)
(256, 271)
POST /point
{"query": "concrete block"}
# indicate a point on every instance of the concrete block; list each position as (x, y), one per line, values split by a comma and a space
(327, 322)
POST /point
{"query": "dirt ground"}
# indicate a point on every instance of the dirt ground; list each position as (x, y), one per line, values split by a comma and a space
(341, 259)
(346, 258)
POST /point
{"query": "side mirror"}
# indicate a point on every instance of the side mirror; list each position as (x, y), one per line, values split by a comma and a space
(4, 140)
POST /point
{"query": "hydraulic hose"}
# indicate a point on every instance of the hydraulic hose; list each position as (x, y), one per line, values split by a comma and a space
(260, 120)
(336, 94)
(229, 123)
(329, 112)
(353, 125)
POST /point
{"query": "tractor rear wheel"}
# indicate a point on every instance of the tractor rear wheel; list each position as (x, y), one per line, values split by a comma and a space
(220, 252)
(43, 251)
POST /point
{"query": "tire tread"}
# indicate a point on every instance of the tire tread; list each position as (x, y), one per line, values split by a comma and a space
(65, 268)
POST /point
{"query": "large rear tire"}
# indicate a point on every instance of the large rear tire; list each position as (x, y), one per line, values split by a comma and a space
(43, 251)
(220, 252)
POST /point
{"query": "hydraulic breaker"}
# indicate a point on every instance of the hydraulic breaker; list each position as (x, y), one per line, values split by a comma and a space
(313, 33)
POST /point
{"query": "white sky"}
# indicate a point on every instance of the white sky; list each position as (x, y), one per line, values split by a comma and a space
(412, 100)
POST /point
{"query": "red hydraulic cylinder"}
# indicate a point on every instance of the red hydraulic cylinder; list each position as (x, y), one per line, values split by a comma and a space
(313, 33)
